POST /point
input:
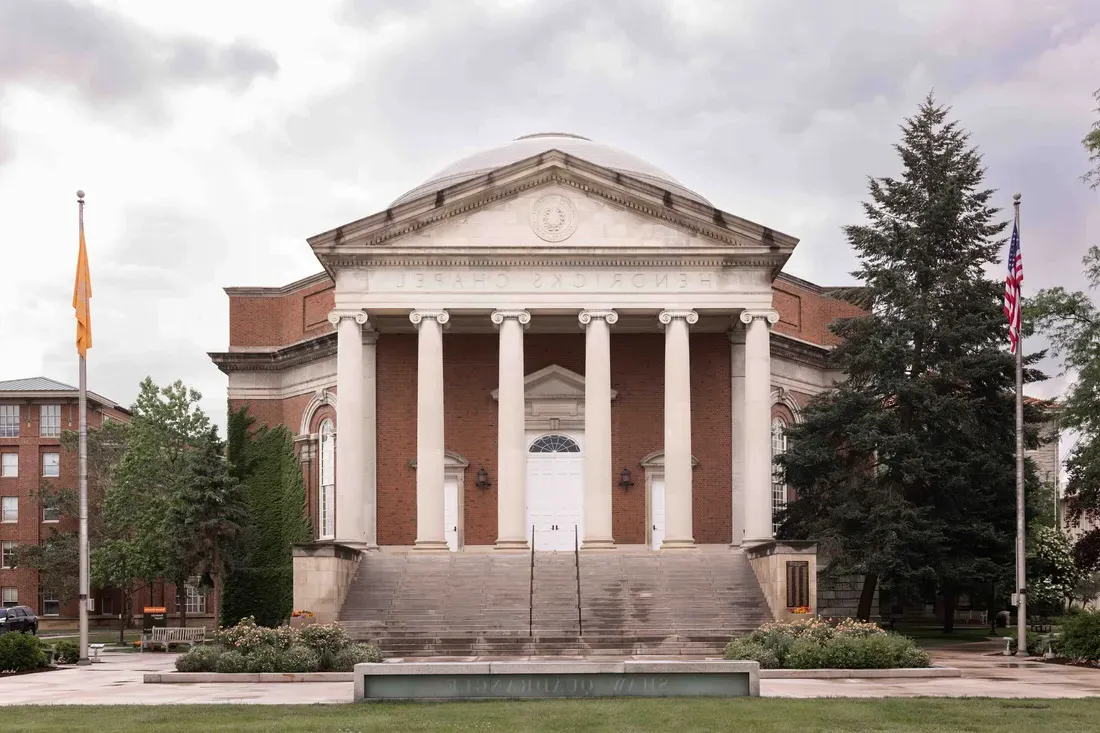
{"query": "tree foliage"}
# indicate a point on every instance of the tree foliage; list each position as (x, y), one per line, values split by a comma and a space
(261, 582)
(906, 471)
(1052, 573)
(1092, 145)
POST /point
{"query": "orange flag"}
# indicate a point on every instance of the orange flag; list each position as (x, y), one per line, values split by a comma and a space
(82, 295)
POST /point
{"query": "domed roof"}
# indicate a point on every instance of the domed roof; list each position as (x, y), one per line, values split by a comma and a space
(529, 145)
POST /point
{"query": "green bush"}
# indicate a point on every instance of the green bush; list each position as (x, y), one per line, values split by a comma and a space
(246, 636)
(346, 659)
(199, 659)
(805, 654)
(752, 651)
(324, 638)
(21, 653)
(66, 652)
(230, 662)
(263, 659)
(1081, 636)
(299, 659)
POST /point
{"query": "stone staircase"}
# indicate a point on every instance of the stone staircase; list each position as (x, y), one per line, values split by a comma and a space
(633, 601)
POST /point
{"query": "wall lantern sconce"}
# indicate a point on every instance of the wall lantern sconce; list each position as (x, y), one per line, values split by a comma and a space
(624, 480)
(482, 479)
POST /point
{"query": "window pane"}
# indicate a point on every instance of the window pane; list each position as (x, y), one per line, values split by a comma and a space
(779, 483)
(195, 599)
(555, 444)
(9, 465)
(9, 596)
(51, 464)
(51, 607)
(51, 514)
(106, 605)
(7, 551)
(49, 425)
(9, 509)
(9, 421)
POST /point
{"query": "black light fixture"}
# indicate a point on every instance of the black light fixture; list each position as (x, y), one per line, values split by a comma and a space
(483, 478)
(624, 479)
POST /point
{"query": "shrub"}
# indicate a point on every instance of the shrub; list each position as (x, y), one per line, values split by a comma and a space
(1081, 636)
(286, 637)
(66, 652)
(1035, 644)
(21, 653)
(299, 659)
(263, 659)
(246, 636)
(231, 661)
(199, 659)
(346, 659)
(812, 643)
(805, 654)
(324, 638)
(752, 651)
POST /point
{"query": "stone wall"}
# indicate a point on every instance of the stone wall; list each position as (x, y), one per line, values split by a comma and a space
(839, 597)
(769, 564)
(323, 571)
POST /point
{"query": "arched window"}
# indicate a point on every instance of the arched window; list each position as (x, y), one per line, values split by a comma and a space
(327, 495)
(779, 482)
(555, 444)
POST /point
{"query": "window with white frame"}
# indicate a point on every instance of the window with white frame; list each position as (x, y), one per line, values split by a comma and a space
(106, 604)
(194, 598)
(49, 426)
(9, 465)
(51, 514)
(779, 481)
(51, 607)
(9, 509)
(9, 421)
(7, 554)
(51, 465)
(9, 597)
(327, 494)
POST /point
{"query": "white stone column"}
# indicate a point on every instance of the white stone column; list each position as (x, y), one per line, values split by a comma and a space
(511, 437)
(370, 437)
(597, 427)
(678, 522)
(429, 429)
(737, 420)
(350, 417)
(756, 432)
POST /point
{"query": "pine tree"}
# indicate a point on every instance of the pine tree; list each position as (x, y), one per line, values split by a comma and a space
(905, 472)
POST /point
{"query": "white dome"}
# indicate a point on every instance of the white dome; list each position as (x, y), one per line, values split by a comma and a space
(530, 145)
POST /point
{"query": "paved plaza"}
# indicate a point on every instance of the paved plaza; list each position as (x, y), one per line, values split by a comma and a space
(117, 680)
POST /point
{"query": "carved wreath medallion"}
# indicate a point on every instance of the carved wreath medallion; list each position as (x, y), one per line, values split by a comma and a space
(554, 218)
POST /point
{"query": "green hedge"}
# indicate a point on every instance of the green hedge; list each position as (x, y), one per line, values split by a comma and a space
(21, 652)
(1080, 640)
(813, 643)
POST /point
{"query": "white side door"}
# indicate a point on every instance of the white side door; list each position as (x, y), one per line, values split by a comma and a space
(450, 513)
(657, 512)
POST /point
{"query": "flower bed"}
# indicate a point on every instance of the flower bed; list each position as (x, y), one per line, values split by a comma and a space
(248, 648)
(814, 643)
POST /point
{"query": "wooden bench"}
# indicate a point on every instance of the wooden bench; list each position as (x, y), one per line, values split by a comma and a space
(173, 635)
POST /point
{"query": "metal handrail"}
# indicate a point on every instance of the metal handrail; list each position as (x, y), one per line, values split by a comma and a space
(531, 590)
(577, 559)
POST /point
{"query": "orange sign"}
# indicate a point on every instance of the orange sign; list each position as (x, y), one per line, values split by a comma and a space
(155, 609)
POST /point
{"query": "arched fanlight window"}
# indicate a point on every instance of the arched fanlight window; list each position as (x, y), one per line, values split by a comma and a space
(327, 495)
(555, 444)
(779, 481)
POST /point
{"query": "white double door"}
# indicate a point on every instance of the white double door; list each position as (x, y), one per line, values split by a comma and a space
(451, 514)
(555, 491)
(656, 512)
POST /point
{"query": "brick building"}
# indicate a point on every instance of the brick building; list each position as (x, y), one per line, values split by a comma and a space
(33, 414)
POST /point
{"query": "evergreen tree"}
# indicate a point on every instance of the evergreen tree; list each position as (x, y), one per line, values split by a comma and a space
(261, 582)
(906, 471)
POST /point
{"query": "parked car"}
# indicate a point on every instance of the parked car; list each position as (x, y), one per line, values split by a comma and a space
(18, 618)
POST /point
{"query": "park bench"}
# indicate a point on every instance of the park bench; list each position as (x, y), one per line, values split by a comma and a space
(163, 636)
(970, 617)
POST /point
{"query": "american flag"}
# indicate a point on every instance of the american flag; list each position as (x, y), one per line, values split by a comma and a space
(1013, 280)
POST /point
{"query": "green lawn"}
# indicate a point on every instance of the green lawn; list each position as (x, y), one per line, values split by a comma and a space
(681, 715)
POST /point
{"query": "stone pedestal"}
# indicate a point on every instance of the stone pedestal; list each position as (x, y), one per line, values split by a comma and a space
(323, 572)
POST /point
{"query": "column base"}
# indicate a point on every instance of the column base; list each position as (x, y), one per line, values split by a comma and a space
(431, 546)
(598, 543)
(512, 545)
(688, 544)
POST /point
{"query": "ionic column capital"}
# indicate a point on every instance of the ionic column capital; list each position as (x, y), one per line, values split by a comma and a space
(499, 317)
(587, 316)
(668, 316)
(335, 316)
(771, 317)
(419, 316)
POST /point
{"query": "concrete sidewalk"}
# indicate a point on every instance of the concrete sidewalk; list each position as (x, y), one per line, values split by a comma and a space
(117, 680)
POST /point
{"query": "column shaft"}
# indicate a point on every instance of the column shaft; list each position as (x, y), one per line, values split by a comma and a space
(737, 427)
(370, 438)
(597, 428)
(350, 417)
(429, 430)
(511, 438)
(678, 489)
(756, 434)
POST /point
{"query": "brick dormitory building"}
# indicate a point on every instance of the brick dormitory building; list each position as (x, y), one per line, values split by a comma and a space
(33, 414)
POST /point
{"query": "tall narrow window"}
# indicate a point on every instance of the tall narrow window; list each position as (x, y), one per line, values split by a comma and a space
(50, 424)
(9, 597)
(327, 495)
(7, 554)
(51, 465)
(9, 465)
(779, 481)
(9, 509)
(9, 421)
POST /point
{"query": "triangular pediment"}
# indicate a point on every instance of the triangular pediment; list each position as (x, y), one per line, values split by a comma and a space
(553, 383)
(551, 204)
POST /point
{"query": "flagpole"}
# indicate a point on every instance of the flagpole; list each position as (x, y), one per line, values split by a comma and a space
(1021, 528)
(83, 450)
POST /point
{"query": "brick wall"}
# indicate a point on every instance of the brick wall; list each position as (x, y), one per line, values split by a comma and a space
(280, 319)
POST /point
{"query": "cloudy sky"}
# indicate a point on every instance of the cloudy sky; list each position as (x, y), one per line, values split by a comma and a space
(213, 137)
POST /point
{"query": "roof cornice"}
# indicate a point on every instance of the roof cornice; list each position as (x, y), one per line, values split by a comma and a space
(258, 291)
(276, 358)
